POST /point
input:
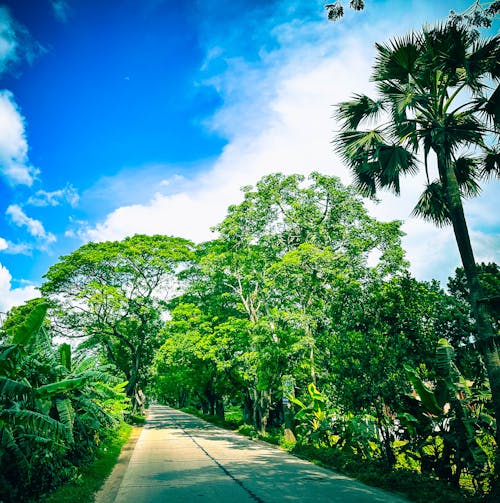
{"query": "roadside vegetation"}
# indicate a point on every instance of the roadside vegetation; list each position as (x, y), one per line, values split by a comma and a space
(299, 321)
(91, 478)
(58, 408)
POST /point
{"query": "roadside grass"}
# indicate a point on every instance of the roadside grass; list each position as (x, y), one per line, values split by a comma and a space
(415, 486)
(91, 478)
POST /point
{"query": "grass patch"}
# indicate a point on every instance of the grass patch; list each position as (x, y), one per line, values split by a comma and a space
(91, 478)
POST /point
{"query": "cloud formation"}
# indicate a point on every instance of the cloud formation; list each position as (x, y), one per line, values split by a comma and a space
(34, 227)
(276, 115)
(56, 197)
(9, 296)
(14, 162)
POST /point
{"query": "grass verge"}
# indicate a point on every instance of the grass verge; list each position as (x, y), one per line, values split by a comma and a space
(83, 488)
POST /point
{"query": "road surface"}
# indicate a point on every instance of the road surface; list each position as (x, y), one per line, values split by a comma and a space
(180, 458)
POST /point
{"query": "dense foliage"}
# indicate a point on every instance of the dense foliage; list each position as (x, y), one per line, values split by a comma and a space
(304, 298)
(111, 295)
(55, 406)
(438, 96)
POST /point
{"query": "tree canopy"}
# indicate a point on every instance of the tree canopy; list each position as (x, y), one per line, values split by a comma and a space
(113, 293)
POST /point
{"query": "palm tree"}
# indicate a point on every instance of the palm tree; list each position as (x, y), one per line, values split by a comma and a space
(435, 98)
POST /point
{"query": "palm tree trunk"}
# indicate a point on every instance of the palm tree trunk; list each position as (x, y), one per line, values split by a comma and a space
(485, 331)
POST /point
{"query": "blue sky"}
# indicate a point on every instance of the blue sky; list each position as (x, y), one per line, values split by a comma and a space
(126, 116)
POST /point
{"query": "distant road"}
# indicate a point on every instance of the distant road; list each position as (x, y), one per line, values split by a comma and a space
(180, 458)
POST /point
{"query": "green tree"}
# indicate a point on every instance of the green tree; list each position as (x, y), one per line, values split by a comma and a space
(291, 248)
(489, 275)
(198, 358)
(113, 294)
(434, 97)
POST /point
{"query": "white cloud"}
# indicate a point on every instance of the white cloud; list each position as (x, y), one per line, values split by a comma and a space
(3, 244)
(18, 248)
(14, 162)
(10, 297)
(43, 198)
(34, 227)
(277, 117)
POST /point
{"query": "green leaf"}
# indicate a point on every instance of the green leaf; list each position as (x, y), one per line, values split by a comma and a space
(66, 416)
(14, 389)
(21, 334)
(64, 351)
(444, 357)
(426, 395)
(64, 386)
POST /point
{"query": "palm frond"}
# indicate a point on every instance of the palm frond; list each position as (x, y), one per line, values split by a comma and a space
(358, 149)
(361, 107)
(398, 59)
(365, 179)
(394, 160)
(403, 97)
(462, 129)
(358, 146)
(492, 106)
(484, 59)
(432, 205)
(406, 131)
(491, 163)
(467, 173)
(446, 49)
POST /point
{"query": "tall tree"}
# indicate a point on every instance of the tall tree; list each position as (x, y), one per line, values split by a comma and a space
(113, 293)
(434, 97)
(287, 241)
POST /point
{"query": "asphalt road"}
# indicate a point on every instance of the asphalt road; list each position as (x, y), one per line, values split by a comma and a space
(180, 458)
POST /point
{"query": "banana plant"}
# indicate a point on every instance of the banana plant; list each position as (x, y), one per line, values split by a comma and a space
(450, 421)
(314, 420)
(53, 406)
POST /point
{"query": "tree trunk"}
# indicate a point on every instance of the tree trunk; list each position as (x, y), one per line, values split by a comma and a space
(485, 332)
(219, 407)
(390, 457)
